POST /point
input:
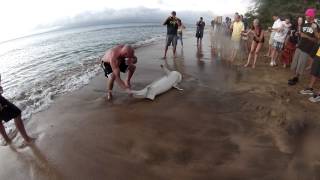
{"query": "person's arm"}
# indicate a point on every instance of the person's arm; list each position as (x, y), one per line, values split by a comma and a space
(261, 35)
(166, 21)
(316, 31)
(303, 35)
(116, 73)
(247, 33)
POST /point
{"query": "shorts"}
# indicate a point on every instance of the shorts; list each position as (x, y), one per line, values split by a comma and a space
(171, 40)
(8, 110)
(315, 70)
(199, 34)
(235, 45)
(271, 38)
(299, 61)
(277, 45)
(108, 70)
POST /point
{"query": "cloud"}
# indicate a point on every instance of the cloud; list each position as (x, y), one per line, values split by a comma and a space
(130, 15)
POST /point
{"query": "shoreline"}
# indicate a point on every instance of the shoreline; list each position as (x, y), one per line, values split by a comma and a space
(228, 123)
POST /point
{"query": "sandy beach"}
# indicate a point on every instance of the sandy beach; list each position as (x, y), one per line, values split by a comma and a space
(229, 123)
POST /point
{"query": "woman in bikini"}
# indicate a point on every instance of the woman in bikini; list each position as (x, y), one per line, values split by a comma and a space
(257, 43)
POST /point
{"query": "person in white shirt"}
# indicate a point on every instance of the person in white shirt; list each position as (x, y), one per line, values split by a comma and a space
(276, 24)
(279, 39)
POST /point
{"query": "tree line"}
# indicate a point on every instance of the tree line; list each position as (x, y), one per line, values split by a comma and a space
(265, 9)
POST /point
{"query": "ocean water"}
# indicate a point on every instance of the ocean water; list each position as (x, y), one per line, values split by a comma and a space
(37, 69)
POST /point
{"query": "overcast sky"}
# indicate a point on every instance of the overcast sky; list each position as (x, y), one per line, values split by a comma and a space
(19, 17)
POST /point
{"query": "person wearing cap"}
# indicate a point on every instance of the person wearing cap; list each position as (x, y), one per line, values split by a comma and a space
(172, 23)
(118, 59)
(306, 47)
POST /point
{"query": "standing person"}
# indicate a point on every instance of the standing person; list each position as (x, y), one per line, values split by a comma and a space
(309, 38)
(172, 24)
(315, 76)
(237, 29)
(276, 25)
(278, 40)
(181, 27)
(291, 43)
(118, 59)
(9, 111)
(200, 28)
(257, 43)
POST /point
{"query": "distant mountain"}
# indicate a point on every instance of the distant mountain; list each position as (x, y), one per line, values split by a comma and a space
(132, 15)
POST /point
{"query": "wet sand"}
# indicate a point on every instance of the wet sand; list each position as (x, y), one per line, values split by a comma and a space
(229, 123)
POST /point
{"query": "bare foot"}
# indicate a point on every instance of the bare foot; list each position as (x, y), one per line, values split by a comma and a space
(5, 142)
(26, 143)
(128, 84)
(246, 65)
(253, 66)
(109, 96)
(164, 57)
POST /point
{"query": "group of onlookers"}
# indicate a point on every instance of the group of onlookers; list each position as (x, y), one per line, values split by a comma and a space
(296, 44)
(291, 43)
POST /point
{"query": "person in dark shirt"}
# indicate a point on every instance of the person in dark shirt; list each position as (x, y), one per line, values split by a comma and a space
(200, 28)
(9, 111)
(172, 23)
(306, 47)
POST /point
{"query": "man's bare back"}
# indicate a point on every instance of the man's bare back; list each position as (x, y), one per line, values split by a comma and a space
(119, 59)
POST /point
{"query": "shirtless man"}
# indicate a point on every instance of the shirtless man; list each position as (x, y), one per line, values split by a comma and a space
(119, 59)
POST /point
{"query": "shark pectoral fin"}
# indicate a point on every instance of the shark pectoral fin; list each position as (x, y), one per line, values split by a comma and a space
(178, 88)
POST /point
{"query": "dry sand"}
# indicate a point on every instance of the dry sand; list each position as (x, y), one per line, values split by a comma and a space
(228, 123)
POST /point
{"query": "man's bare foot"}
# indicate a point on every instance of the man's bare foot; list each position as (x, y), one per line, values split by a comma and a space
(26, 142)
(30, 139)
(253, 66)
(128, 84)
(5, 142)
(246, 65)
(109, 96)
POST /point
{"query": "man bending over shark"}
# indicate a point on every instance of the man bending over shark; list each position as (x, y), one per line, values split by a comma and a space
(118, 59)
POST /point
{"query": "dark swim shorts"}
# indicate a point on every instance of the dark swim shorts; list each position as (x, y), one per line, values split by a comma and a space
(8, 110)
(108, 70)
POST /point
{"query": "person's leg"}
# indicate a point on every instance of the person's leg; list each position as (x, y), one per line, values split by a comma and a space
(165, 51)
(3, 133)
(276, 55)
(111, 80)
(234, 55)
(181, 40)
(21, 129)
(131, 70)
(174, 44)
(259, 46)
(236, 46)
(295, 61)
(273, 54)
(167, 45)
(253, 47)
(312, 81)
